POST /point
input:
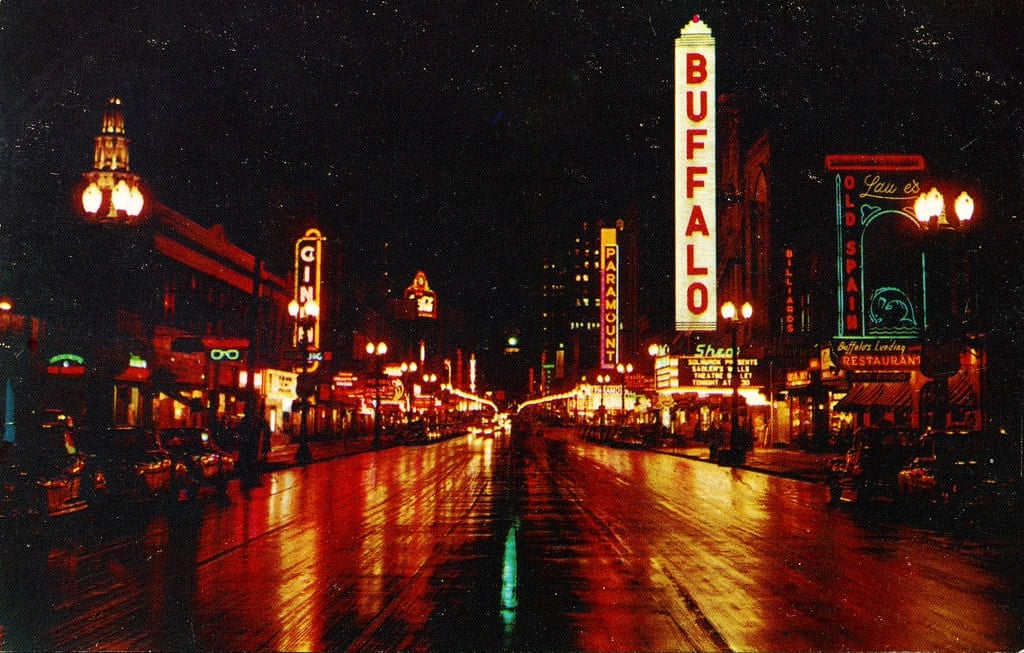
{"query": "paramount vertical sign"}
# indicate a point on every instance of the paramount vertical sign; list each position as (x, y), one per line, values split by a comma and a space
(696, 263)
(609, 299)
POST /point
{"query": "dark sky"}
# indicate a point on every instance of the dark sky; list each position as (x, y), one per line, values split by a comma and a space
(474, 136)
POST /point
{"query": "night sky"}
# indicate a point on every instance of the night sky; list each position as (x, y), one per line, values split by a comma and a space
(473, 137)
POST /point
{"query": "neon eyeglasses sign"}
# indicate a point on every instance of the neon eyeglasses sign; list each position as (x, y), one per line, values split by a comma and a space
(225, 354)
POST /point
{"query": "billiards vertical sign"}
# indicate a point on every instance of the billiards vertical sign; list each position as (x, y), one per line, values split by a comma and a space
(696, 248)
(609, 340)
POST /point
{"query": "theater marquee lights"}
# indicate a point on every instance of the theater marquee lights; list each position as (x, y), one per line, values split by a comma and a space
(308, 255)
(696, 250)
(609, 299)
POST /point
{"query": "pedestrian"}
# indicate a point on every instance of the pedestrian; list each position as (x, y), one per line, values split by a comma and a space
(265, 434)
(715, 440)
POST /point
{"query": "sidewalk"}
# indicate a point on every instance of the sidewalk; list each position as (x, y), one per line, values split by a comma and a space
(790, 463)
(283, 455)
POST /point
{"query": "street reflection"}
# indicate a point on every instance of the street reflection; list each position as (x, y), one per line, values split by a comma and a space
(561, 545)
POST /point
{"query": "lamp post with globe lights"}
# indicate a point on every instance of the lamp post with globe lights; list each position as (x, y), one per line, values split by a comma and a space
(111, 192)
(376, 350)
(940, 353)
(602, 381)
(730, 315)
(623, 369)
(304, 314)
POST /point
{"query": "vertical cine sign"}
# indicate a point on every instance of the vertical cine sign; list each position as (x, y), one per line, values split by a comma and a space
(609, 299)
(307, 283)
(696, 248)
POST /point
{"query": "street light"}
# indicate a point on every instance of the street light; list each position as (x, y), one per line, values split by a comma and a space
(730, 316)
(304, 315)
(602, 381)
(111, 192)
(376, 350)
(624, 370)
(407, 369)
(937, 361)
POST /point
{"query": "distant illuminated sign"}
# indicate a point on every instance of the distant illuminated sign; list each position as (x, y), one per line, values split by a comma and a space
(696, 248)
(65, 365)
(135, 360)
(609, 341)
(224, 354)
(426, 299)
(308, 255)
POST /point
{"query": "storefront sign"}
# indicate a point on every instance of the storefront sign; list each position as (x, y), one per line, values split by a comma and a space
(65, 365)
(224, 354)
(879, 355)
(609, 299)
(696, 249)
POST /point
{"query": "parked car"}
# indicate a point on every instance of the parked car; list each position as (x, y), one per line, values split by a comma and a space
(126, 463)
(961, 469)
(41, 472)
(870, 467)
(198, 462)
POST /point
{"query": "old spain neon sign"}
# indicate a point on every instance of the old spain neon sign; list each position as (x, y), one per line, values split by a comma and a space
(873, 195)
(696, 249)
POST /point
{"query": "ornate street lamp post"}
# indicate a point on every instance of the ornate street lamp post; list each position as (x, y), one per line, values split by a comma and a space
(602, 381)
(408, 369)
(734, 319)
(376, 350)
(111, 192)
(623, 370)
(938, 360)
(304, 314)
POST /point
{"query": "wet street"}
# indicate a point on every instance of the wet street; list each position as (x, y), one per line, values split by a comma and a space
(475, 543)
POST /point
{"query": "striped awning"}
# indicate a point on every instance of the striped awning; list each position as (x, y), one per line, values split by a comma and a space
(864, 396)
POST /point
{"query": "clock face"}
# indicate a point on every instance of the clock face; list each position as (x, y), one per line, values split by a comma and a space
(425, 305)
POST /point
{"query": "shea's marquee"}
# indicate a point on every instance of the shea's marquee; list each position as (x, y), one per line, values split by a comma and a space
(696, 264)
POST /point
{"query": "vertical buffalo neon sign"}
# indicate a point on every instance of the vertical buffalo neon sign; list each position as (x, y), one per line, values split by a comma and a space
(609, 299)
(696, 254)
(308, 252)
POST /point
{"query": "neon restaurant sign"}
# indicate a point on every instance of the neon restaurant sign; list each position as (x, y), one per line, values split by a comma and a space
(880, 271)
(609, 299)
(308, 253)
(696, 249)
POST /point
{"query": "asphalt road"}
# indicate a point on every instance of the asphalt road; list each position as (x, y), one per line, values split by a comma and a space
(551, 544)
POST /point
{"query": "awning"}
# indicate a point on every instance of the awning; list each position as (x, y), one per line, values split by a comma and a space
(960, 392)
(864, 396)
